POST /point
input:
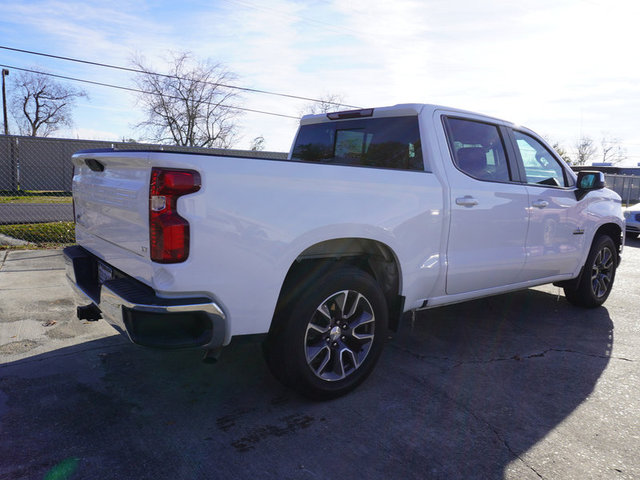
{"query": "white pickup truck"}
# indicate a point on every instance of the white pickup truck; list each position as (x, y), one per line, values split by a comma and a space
(375, 213)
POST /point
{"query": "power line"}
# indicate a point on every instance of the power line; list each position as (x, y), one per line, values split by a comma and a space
(135, 70)
(135, 90)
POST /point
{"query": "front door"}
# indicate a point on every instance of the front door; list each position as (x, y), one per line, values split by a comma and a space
(555, 240)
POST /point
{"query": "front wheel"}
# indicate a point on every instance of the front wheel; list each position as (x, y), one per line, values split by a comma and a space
(328, 340)
(597, 276)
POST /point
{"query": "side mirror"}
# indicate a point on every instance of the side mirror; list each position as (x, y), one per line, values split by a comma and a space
(588, 180)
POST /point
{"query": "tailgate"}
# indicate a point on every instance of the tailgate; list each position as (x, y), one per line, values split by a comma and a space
(111, 198)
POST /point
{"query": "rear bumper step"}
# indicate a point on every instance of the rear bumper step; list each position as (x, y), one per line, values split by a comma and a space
(136, 310)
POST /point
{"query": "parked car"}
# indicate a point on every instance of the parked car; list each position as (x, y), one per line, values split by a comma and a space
(632, 219)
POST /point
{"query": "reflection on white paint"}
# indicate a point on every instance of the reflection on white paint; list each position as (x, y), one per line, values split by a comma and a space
(431, 262)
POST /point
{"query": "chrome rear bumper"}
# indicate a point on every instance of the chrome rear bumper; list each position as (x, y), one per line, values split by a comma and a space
(134, 309)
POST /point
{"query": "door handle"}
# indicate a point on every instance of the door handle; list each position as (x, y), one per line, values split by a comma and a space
(540, 204)
(466, 201)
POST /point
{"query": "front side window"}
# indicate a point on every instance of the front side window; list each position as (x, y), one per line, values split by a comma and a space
(389, 142)
(540, 166)
(478, 149)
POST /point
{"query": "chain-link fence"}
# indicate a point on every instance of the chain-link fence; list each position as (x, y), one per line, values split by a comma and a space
(35, 185)
(36, 175)
(627, 186)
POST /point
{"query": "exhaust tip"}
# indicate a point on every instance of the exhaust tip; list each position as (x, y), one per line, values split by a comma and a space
(89, 312)
(211, 356)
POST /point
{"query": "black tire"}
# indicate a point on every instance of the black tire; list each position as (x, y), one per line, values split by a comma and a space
(328, 339)
(598, 275)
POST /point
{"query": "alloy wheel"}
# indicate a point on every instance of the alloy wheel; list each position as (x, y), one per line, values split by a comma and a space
(339, 335)
(602, 272)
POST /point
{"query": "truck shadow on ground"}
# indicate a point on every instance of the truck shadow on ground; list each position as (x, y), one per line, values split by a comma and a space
(463, 392)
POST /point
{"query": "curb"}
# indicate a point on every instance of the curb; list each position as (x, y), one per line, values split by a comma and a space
(13, 242)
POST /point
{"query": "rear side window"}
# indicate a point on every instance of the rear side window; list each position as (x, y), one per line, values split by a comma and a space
(478, 149)
(390, 142)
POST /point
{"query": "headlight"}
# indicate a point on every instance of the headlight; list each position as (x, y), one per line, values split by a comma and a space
(627, 214)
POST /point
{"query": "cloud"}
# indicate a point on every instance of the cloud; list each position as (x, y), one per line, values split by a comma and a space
(562, 67)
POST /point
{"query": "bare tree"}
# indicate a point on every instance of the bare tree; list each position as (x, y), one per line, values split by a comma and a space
(330, 102)
(257, 144)
(559, 148)
(612, 150)
(585, 150)
(40, 105)
(191, 105)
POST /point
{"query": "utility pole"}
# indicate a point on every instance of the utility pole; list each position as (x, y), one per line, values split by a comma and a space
(5, 72)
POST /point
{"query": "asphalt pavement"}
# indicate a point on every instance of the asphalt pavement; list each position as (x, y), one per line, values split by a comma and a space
(518, 386)
(18, 213)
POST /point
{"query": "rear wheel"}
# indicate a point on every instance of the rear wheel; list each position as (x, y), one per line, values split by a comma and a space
(327, 341)
(598, 275)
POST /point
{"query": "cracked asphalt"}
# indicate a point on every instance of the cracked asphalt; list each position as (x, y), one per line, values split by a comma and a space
(519, 386)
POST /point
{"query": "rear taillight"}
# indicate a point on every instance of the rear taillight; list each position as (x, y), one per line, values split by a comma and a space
(168, 231)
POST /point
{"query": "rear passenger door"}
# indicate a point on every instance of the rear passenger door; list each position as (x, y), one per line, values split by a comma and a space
(489, 207)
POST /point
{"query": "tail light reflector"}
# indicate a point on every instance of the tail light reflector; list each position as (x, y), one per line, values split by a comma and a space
(168, 231)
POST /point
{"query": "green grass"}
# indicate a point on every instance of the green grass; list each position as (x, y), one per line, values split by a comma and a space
(42, 234)
(32, 196)
(52, 199)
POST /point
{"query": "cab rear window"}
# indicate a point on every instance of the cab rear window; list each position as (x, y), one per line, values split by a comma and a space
(390, 142)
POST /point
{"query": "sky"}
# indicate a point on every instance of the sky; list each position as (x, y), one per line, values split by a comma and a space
(564, 68)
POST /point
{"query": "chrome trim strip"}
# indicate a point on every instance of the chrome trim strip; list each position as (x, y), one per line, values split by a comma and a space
(211, 308)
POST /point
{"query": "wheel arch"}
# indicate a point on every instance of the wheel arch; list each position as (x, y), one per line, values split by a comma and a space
(372, 256)
(614, 231)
